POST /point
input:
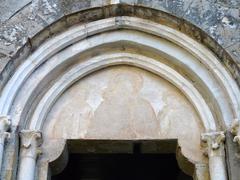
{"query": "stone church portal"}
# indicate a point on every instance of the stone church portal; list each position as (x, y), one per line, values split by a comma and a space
(118, 90)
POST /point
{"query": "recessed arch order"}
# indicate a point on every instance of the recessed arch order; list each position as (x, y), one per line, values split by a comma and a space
(203, 80)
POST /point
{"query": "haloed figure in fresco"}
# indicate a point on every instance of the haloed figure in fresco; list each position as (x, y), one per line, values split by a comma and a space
(123, 113)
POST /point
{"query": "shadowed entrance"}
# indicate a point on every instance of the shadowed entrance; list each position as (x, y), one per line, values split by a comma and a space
(117, 160)
(122, 166)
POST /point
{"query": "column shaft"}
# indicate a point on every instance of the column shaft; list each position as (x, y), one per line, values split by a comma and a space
(2, 141)
(27, 169)
(30, 142)
(4, 126)
(217, 168)
(201, 172)
(214, 144)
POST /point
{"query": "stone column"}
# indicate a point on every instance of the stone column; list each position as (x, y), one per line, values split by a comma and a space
(30, 142)
(201, 172)
(4, 126)
(214, 143)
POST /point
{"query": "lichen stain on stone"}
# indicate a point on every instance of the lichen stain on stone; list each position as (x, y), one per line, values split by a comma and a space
(228, 21)
(13, 35)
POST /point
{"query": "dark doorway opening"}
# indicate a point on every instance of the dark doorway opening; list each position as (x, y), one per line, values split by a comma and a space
(122, 166)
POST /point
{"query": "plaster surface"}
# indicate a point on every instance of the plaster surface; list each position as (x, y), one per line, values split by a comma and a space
(125, 102)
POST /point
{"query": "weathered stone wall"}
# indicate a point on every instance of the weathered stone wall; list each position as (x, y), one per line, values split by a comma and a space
(23, 20)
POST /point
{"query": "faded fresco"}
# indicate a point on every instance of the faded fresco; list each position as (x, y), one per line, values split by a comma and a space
(124, 103)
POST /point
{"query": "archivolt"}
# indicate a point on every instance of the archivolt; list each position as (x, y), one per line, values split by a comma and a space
(104, 61)
(213, 93)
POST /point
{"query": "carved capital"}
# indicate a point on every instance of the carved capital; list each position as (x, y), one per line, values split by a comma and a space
(4, 123)
(4, 135)
(214, 143)
(235, 130)
(30, 142)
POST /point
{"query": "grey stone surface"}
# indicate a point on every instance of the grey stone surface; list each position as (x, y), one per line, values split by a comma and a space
(10, 158)
(220, 22)
(10, 7)
(234, 50)
(233, 157)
